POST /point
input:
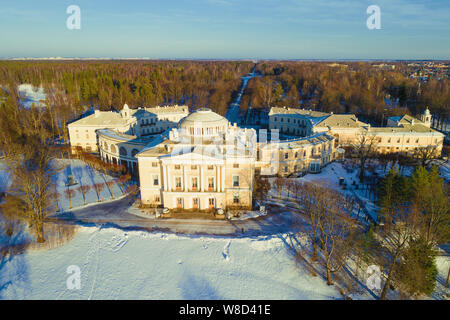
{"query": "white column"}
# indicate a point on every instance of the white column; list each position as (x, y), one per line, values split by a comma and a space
(202, 186)
(184, 179)
(216, 180)
(223, 178)
(164, 178)
(219, 174)
(168, 178)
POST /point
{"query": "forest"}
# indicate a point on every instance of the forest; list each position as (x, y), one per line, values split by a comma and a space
(353, 87)
(74, 86)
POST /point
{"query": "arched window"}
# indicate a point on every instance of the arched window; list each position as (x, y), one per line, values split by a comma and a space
(134, 152)
(123, 151)
(113, 149)
(105, 146)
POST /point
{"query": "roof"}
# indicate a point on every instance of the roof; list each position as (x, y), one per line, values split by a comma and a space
(125, 137)
(204, 115)
(311, 140)
(416, 128)
(161, 110)
(341, 121)
(294, 111)
(101, 118)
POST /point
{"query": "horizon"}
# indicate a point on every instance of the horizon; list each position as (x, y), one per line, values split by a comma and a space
(328, 30)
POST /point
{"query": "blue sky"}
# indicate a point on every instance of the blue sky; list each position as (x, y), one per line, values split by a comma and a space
(226, 29)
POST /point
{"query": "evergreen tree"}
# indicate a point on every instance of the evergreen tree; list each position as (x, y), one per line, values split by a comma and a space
(417, 270)
(392, 194)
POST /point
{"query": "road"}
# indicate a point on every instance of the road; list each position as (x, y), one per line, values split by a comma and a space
(234, 108)
(115, 214)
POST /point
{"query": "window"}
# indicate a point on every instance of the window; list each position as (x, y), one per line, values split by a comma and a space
(155, 180)
(235, 181)
(156, 198)
(194, 167)
(123, 151)
(194, 183)
(154, 164)
(210, 167)
(177, 167)
(286, 155)
(296, 154)
(211, 183)
(235, 165)
(236, 198)
(178, 182)
(195, 203)
(285, 168)
(179, 202)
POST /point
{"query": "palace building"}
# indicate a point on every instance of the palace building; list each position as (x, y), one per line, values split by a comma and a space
(205, 163)
(200, 161)
(139, 122)
(403, 134)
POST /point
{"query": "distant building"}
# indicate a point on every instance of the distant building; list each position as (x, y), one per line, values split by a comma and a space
(403, 133)
(139, 122)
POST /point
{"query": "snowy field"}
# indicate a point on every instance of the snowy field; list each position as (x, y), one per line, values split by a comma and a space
(138, 265)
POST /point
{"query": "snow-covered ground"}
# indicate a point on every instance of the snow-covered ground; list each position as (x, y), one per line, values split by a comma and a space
(32, 95)
(83, 175)
(138, 265)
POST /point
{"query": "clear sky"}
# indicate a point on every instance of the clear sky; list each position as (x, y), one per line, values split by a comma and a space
(226, 29)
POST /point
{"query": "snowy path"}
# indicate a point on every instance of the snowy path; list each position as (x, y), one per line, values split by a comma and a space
(234, 108)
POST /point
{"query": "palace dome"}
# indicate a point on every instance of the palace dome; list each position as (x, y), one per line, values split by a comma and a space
(204, 122)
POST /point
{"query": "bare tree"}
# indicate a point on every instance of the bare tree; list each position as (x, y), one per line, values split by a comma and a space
(98, 187)
(110, 184)
(83, 190)
(69, 193)
(313, 201)
(426, 154)
(32, 172)
(364, 147)
(334, 226)
(395, 238)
